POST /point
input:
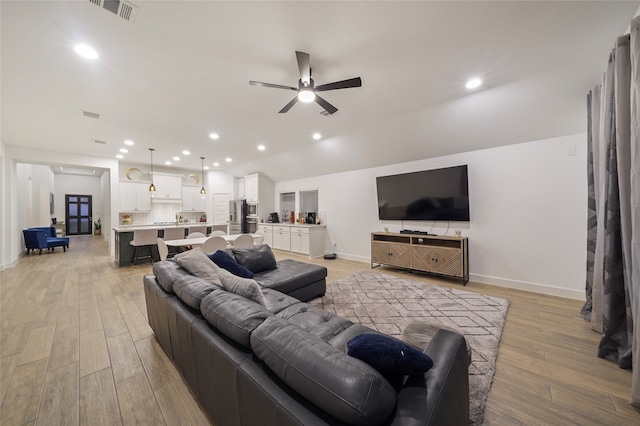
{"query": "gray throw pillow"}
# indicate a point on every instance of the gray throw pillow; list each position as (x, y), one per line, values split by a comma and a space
(244, 287)
(197, 263)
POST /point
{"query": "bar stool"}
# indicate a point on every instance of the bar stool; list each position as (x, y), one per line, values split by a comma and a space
(201, 229)
(144, 238)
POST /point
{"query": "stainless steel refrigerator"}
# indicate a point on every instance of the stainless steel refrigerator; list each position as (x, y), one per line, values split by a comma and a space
(238, 217)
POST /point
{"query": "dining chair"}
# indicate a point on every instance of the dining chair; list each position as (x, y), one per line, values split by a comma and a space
(213, 244)
(217, 233)
(163, 250)
(195, 235)
(244, 240)
(260, 237)
(143, 238)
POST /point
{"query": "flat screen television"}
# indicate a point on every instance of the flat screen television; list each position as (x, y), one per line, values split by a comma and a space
(439, 194)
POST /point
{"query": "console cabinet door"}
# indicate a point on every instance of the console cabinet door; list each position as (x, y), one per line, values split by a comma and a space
(394, 254)
(441, 260)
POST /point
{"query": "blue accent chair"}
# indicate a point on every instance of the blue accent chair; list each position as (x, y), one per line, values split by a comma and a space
(44, 238)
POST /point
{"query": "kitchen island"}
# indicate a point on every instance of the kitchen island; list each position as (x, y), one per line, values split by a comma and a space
(124, 235)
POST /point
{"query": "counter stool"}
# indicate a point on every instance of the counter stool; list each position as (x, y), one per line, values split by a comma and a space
(144, 238)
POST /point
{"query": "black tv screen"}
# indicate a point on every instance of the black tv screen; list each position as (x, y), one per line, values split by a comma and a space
(439, 194)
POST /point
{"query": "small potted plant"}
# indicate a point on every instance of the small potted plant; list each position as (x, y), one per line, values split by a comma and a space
(97, 227)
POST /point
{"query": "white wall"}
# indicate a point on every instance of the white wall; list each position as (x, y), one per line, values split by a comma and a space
(67, 184)
(528, 213)
(13, 212)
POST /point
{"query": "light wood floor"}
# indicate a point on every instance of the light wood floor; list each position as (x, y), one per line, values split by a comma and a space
(76, 348)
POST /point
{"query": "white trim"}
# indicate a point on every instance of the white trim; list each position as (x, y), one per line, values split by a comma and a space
(528, 286)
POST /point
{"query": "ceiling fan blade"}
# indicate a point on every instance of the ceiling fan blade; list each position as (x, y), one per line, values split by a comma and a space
(274, 86)
(304, 65)
(288, 106)
(326, 105)
(344, 84)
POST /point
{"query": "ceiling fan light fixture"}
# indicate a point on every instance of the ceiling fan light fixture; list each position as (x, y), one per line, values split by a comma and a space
(473, 83)
(306, 95)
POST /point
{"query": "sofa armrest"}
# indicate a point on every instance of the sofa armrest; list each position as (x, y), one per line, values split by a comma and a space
(441, 397)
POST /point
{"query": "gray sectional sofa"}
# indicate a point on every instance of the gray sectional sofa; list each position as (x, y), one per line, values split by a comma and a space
(286, 362)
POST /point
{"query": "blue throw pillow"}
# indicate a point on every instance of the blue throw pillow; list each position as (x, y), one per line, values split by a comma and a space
(391, 357)
(227, 262)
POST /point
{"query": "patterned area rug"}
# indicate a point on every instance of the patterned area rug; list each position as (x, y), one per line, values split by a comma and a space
(387, 303)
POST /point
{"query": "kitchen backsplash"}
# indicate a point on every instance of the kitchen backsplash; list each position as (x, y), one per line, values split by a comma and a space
(160, 213)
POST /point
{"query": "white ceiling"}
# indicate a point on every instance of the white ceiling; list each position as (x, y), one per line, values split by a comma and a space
(181, 71)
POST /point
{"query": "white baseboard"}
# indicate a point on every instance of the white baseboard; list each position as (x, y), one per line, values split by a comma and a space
(528, 286)
(355, 258)
(8, 265)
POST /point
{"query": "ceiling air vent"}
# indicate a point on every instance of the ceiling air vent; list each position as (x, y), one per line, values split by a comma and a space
(123, 9)
(90, 114)
(100, 142)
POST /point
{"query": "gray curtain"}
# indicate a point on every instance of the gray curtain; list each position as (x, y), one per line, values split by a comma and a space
(613, 287)
(634, 202)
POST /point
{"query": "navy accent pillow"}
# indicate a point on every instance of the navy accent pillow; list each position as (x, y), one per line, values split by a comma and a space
(391, 357)
(227, 262)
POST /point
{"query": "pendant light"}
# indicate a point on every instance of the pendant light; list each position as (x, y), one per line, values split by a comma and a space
(202, 190)
(152, 187)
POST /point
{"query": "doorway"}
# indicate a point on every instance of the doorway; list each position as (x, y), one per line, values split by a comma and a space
(78, 214)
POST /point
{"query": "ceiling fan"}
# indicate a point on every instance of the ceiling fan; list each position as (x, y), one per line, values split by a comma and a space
(307, 91)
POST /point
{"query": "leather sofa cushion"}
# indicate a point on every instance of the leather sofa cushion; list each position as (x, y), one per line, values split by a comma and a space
(167, 271)
(233, 315)
(276, 301)
(345, 387)
(191, 289)
(316, 321)
(256, 259)
(290, 275)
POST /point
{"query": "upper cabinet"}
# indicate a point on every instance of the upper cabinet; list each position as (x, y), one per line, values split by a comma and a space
(258, 188)
(167, 186)
(134, 196)
(251, 188)
(192, 200)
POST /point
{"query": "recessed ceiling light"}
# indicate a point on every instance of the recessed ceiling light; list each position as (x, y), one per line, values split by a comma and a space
(216, 164)
(124, 150)
(206, 167)
(317, 136)
(120, 156)
(185, 152)
(473, 83)
(85, 51)
(176, 158)
(168, 163)
(228, 159)
(214, 136)
(129, 142)
(262, 147)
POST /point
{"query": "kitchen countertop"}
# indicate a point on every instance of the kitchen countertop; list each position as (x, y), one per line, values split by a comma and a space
(130, 228)
(304, 225)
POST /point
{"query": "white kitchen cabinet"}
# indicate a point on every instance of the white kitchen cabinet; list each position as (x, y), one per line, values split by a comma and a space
(281, 238)
(268, 234)
(300, 240)
(242, 193)
(167, 186)
(134, 196)
(192, 200)
(251, 188)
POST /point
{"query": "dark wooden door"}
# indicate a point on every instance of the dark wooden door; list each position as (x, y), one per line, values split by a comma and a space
(78, 214)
